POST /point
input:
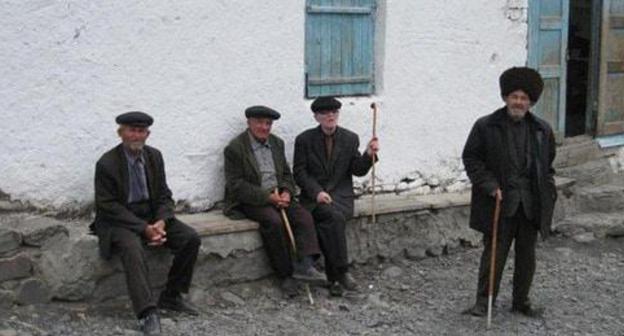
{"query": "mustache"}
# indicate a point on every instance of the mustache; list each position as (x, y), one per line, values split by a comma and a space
(135, 145)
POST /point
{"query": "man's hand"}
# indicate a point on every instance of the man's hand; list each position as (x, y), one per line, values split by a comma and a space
(280, 201)
(323, 198)
(285, 196)
(373, 147)
(156, 234)
(497, 194)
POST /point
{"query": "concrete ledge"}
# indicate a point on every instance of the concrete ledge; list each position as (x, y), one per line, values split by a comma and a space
(215, 223)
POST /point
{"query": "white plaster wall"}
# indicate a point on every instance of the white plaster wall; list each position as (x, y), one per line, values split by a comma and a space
(69, 67)
(442, 63)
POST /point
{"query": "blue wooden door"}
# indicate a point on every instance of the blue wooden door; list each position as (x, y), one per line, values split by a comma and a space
(339, 47)
(611, 82)
(548, 41)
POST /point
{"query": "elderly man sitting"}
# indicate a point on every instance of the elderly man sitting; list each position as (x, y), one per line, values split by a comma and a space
(259, 184)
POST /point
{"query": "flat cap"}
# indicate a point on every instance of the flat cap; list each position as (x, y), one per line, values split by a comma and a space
(260, 111)
(135, 118)
(325, 104)
(522, 78)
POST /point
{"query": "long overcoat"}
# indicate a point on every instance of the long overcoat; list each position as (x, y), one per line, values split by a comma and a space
(486, 157)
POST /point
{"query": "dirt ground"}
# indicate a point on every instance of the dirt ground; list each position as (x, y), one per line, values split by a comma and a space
(581, 286)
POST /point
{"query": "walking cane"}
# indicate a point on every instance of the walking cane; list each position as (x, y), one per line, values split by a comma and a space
(493, 259)
(373, 208)
(293, 245)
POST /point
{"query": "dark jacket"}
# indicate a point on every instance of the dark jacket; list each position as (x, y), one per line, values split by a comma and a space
(314, 173)
(242, 176)
(111, 194)
(487, 161)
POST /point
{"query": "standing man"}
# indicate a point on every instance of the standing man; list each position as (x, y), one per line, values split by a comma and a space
(509, 155)
(326, 158)
(134, 208)
(258, 184)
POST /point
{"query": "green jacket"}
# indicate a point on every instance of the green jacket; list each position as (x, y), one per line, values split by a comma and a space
(242, 176)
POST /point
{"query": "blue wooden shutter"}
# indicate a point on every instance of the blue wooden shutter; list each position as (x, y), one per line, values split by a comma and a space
(548, 44)
(611, 87)
(339, 47)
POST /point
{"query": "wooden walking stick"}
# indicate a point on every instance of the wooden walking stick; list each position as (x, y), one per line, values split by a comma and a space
(493, 259)
(373, 208)
(293, 245)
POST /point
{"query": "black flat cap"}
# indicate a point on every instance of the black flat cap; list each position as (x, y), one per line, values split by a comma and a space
(522, 78)
(325, 104)
(135, 118)
(260, 111)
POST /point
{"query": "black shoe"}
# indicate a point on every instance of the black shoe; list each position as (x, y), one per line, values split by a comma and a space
(335, 289)
(478, 310)
(528, 311)
(150, 324)
(310, 275)
(176, 303)
(347, 282)
(289, 287)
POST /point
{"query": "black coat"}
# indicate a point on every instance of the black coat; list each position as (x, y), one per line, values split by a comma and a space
(111, 194)
(314, 173)
(487, 161)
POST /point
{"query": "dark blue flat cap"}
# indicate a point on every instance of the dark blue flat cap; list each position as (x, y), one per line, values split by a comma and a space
(135, 118)
(260, 111)
(325, 104)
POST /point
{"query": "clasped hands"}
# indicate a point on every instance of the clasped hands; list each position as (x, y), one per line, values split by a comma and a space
(155, 233)
(280, 200)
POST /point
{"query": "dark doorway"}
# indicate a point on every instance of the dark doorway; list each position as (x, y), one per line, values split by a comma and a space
(579, 42)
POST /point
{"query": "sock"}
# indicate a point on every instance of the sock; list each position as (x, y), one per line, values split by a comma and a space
(146, 312)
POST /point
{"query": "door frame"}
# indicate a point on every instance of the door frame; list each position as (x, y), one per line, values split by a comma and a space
(593, 80)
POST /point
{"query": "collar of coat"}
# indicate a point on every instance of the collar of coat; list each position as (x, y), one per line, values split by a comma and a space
(336, 132)
(499, 117)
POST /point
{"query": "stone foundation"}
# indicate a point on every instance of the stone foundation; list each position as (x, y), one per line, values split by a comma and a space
(43, 259)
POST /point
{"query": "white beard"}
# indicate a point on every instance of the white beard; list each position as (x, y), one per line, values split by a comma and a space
(135, 146)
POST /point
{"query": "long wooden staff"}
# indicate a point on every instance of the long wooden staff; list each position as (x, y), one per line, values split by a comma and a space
(293, 245)
(373, 207)
(493, 259)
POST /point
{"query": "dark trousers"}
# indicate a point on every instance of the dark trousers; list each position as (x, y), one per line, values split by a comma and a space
(330, 228)
(524, 232)
(182, 240)
(275, 238)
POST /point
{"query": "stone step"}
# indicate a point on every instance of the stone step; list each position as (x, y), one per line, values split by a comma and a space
(594, 172)
(602, 198)
(598, 225)
(577, 150)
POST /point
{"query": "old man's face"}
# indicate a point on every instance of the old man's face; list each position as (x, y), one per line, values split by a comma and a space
(133, 137)
(260, 128)
(328, 119)
(518, 104)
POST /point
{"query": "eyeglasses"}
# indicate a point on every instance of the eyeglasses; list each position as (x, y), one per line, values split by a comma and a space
(325, 112)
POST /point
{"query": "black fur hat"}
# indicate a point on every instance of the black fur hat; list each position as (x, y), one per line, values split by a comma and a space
(522, 78)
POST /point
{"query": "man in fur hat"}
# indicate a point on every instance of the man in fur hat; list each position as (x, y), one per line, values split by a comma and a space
(509, 155)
